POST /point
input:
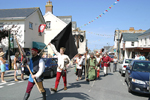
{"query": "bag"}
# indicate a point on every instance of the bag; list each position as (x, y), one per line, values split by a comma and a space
(63, 72)
(16, 72)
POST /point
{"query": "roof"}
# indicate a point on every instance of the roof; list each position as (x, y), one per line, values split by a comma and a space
(146, 32)
(16, 13)
(66, 19)
(130, 36)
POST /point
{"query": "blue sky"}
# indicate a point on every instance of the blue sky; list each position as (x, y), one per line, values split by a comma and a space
(125, 14)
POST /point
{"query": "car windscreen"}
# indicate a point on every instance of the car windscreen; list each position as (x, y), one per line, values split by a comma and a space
(141, 66)
(128, 60)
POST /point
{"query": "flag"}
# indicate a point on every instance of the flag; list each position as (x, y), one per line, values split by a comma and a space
(65, 39)
(41, 28)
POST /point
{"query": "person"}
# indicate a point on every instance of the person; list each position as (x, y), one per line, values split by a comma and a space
(61, 69)
(37, 67)
(98, 65)
(148, 57)
(3, 66)
(16, 65)
(115, 64)
(142, 57)
(83, 63)
(92, 67)
(79, 67)
(106, 60)
(137, 57)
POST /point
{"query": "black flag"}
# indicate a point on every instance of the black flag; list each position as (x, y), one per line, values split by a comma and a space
(65, 39)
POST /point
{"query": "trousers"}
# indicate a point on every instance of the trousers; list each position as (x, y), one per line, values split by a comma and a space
(58, 76)
(105, 70)
(30, 86)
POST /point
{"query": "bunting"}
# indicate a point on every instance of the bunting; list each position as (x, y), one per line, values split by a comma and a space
(105, 11)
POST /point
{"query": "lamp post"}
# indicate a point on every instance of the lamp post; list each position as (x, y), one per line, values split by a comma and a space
(118, 42)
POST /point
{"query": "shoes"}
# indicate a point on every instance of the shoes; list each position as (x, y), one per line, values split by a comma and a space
(3, 81)
(26, 96)
(87, 80)
(16, 80)
(65, 88)
(44, 95)
(54, 89)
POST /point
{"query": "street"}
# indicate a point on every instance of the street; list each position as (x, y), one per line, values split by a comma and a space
(110, 87)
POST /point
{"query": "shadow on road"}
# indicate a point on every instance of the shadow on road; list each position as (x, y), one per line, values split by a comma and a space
(60, 96)
(141, 95)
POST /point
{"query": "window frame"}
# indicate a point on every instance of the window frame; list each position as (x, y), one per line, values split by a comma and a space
(30, 23)
(48, 24)
(132, 43)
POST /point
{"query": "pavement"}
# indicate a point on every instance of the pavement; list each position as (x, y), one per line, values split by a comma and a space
(110, 87)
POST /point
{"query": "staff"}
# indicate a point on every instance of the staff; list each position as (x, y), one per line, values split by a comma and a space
(22, 53)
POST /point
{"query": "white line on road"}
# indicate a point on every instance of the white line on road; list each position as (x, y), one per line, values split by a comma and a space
(11, 84)
(123, 83)
(121, 80)
(90, 90)
(2, 83)
(1, 86)
(93, 84)
(20, 81)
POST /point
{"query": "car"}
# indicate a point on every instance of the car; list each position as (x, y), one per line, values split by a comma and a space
(137, 76)
(50, 67)
(123, 66)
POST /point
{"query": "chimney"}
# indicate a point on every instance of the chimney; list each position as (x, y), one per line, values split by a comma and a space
(131, 29)
(49, 7)
(140, 29)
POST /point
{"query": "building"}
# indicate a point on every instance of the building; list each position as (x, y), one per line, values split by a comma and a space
(117, 36)
(129, 45)
(26, 21)
(55, 24)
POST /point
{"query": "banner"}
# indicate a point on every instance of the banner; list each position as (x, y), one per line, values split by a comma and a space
(100, 14)
(41, 28)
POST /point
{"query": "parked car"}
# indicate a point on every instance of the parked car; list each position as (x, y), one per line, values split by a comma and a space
(50, 67)
(137, 76)
(123, 66)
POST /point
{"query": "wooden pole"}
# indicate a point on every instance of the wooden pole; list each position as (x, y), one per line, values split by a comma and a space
(85, 66)
(27, 65)
(43, 49)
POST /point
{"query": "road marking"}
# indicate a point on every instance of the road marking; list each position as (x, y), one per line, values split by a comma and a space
(121, 80)
(11, 84)
(1, 86)
(90, 90)
(20, 81)
(2, 83)
(93, 84)
(123, 83)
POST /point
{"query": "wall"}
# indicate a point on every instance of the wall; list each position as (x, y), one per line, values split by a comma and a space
(33, 35)
(56, 27)
(142, 44)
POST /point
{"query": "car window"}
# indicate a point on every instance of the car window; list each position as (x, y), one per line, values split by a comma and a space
(141, 66)
(128, 60)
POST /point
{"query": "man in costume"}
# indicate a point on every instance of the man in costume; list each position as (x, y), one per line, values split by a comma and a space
(106, 61)
(63, 62)
(92, 65)
(37, 67)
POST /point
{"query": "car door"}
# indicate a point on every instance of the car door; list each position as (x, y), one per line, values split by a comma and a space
(129, 71)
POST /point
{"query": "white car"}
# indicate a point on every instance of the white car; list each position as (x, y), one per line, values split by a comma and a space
(123, 66)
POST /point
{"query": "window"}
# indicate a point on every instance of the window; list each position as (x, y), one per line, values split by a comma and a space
(48, 24)
(1, 26)
(132, 43)
(31, 25)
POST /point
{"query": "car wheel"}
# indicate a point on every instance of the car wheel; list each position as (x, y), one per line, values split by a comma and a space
(129, 88)
(51, 73)
(122, 74)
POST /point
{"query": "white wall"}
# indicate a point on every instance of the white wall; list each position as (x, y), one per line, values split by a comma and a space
(142, 44)
(56, 27)
(33, 35)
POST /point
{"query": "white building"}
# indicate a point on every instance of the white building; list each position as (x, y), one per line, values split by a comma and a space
(27, 21)
(55, 24)
(129, 45)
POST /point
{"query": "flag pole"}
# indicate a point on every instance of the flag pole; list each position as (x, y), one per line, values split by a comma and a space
(85, 65)
(43, 49)
(27, 65)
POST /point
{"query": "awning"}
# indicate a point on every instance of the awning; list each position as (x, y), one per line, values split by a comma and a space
(38, 45)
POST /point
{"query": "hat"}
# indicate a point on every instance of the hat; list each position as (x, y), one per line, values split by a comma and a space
(1, 54)
(35, 49)
(97, 53)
